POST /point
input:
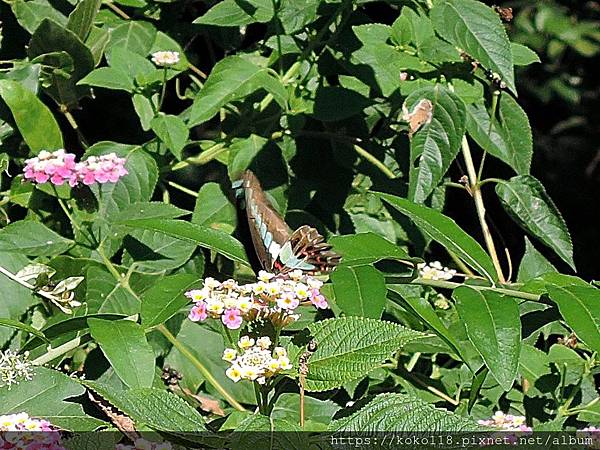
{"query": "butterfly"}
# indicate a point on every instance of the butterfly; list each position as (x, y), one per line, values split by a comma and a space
(279, 249)
(421, 114)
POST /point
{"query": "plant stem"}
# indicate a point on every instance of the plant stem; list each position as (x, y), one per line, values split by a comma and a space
(461, 265)
(197, 71)
(66, 210)
(182, 189)
(117, 10)
(378, 164)
(54, 353)
(480, 207)
(451, 285)
(163, 89)
(203, 370)
(495, 96)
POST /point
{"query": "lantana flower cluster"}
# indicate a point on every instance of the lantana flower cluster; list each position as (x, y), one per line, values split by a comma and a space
(165, 58)
(60, 167)
(273, 298)
(14, 368)
(19, 431)
(144, 444)
(435, 271)
(506, 422)
(254, 360)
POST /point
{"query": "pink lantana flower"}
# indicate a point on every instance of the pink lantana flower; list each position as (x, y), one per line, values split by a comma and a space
(232, 318)
(198, 312)
(318, 300)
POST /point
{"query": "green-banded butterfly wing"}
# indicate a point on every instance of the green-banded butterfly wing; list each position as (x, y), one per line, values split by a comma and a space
(277, 247)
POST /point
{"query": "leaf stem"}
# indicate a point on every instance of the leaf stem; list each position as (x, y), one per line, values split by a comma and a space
(117, 10)
(203, 370)
(54, 353)
(183, 189)
(378, 164)
(480, 207)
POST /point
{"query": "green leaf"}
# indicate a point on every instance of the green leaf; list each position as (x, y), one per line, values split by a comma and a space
(231, 13)
(350, 347)
(199, 235)
(213, 208)
(165, 298)
(124, 344)
(379, 60)
(34, 120)
(109, 78)
(580, 307)
(402, 413)
(242, 152)
(105, 294)
(476, 29)
(32, 238)
(21, 299)
(527, 202)
(143, 405)
(134, 35)
(172, 131)
(145, 108)
(294, 15)
(30, 14)
(97, 41)
(149, 210)
(446, 232)
(231, 79)
(134, 66)
(359, 290)
(494, 327)
(522, 55)
(10, 323)
(315, 410)
(533, 363)
(533, 264)
(82, 18)
(155, 251)
(435, 145)
(366, 248)
(50, 37)
(46, 396)
(508, 138)
(413, 298)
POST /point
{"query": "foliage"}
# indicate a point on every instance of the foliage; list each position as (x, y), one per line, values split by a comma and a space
(356, 122)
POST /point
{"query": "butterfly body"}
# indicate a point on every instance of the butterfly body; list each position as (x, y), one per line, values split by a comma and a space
(279, 249)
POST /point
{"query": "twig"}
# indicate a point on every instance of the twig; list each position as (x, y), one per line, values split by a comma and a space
(117, 10)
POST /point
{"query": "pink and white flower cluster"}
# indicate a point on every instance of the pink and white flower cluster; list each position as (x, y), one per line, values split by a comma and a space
(254, 361)
(273, 297)
(60, 167)
(506, 422)
(144, 444)
(19, 431)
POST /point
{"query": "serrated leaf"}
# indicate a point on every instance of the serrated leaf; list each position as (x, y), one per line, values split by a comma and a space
(446, 232)
(359, 290)
(435, 145)
(476, 29)
(365, 248)
(124, 344)
(172, 131)
(350, 347)
(165, 298)
(32, 238)
(508, 138)
(526, 200)
(204, 237)
(402, 413)
(232, 78)
(523, 55)
(176, 416)
(296, 14)
(34, 120)
(493, 326)
(230, 13)
(46, 395)
(580, 307)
